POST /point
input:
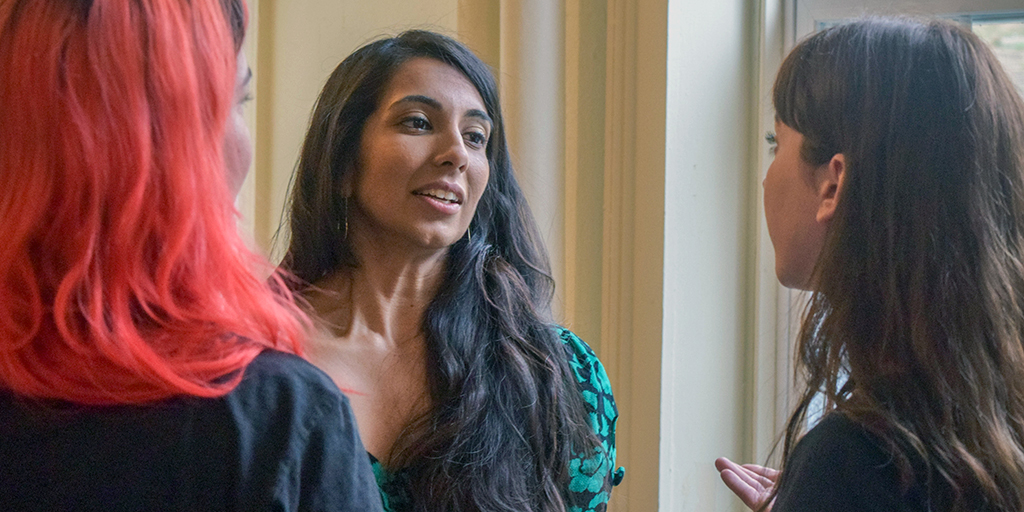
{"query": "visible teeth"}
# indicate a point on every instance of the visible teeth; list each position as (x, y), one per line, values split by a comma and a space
(446, 195)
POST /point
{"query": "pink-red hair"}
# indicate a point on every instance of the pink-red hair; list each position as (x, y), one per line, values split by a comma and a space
(123, 278)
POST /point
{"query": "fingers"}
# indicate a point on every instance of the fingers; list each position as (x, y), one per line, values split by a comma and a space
(757, 476)
(748, 475)
(765, 476)
(723, 463)
(743, 482)
(766, 472)
(751, 483)
(747, 494)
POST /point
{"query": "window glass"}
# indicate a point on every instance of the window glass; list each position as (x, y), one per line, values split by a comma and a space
(1007, 39)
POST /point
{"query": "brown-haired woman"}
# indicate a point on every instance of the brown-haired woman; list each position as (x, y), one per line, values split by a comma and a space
(897, 198)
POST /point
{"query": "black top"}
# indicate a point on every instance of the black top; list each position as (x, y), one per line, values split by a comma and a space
(284, 439)
(838, 466)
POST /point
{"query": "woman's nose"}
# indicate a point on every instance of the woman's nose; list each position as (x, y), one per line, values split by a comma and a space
(452, 150)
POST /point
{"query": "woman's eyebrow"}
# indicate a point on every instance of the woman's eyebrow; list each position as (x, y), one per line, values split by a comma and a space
(432, 103)
(419, 98)
(480, 114)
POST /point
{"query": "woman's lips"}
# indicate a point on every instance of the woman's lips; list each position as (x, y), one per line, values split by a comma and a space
(441, 195)
(442, 205)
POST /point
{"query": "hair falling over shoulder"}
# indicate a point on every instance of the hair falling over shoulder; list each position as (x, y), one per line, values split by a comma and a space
(123, 277)
(507, 415)
(919, 290)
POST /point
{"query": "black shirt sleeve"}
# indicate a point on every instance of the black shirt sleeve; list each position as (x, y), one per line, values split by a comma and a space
(335, 473)
(298, 441)
(837, 467)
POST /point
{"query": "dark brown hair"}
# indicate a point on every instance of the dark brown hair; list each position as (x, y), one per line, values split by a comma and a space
(919, 290)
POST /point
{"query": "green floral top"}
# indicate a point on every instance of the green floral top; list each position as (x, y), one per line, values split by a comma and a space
(592, 477)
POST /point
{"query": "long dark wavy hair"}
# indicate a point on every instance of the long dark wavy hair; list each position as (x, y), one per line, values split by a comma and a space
(919, 290)
(507, 414)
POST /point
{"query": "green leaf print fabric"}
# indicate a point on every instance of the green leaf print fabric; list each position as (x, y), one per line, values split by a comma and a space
(593, 475)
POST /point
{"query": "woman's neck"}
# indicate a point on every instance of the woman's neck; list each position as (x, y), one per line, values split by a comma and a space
(372, 341)
(383, 299)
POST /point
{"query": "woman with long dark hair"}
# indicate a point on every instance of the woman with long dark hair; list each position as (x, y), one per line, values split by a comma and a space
(897, 198)
(145, 363)
(415, 248)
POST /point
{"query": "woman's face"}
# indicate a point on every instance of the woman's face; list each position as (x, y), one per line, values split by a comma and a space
(237, 141)
(791, 205)
(423, 163)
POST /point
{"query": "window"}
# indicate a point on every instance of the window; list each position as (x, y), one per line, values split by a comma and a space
(1006, 36)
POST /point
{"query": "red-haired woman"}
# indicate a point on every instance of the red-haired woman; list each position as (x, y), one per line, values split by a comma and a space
(144, 365)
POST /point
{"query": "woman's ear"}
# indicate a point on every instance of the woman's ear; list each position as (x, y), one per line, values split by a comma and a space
(830, 186)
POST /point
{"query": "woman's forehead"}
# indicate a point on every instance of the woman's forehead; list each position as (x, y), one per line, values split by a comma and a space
(429, 78)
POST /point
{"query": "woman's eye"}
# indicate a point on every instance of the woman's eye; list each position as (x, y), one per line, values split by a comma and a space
(773, 145)
(416, 123)
(476, 138)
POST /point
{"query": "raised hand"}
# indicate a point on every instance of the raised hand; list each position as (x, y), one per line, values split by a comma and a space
(753, 484)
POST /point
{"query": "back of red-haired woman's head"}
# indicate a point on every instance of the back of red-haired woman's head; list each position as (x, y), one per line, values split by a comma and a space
(122, 274)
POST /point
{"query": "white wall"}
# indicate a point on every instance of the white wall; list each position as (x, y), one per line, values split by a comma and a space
(707, 241)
